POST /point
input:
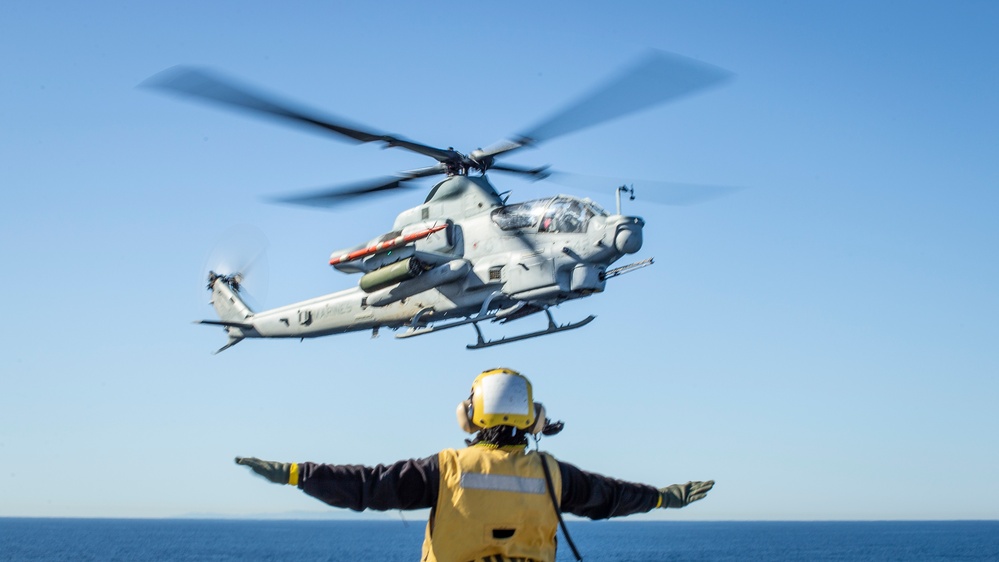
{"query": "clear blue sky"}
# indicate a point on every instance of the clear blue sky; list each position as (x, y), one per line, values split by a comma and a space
(824, 343)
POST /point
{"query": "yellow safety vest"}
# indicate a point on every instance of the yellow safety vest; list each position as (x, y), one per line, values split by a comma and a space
(493, 501)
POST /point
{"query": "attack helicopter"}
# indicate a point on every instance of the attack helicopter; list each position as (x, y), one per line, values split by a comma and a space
(465, 256)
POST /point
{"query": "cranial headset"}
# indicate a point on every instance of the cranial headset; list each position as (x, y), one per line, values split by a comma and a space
(501, 397)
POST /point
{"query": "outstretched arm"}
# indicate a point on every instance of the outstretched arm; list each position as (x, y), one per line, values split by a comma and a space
(592, 495)
(409, 484)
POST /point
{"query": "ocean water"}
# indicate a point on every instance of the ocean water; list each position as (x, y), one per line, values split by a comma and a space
(182, 540)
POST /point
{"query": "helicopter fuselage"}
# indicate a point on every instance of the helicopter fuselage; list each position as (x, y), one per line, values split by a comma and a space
(515, 259)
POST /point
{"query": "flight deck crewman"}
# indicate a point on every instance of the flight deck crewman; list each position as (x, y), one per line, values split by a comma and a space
(493, 499)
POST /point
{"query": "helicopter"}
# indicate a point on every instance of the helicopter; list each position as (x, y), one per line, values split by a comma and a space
(465, 256)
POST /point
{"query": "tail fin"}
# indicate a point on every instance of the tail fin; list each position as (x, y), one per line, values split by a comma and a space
(235, 316)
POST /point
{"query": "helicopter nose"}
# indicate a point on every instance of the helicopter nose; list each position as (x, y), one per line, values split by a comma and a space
(628, 238)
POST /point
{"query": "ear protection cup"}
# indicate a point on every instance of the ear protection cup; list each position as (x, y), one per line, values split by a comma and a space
(539, 419)
(464, 415)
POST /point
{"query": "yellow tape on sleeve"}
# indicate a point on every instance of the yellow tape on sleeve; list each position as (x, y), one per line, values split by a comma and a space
(293, 474)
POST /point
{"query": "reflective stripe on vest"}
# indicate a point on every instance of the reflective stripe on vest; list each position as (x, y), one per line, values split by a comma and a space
(501, 483)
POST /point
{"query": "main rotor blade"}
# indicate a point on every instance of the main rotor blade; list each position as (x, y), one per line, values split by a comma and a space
(343, 194)
(662, 192)
(534, 174)
(207, 86)
(656, 78)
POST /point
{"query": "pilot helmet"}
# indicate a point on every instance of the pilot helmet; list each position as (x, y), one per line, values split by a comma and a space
(501, 397)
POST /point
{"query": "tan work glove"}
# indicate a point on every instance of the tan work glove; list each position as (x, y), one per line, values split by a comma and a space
(679, 495)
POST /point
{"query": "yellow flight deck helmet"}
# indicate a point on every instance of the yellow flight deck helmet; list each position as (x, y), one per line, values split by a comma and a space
(501, 397)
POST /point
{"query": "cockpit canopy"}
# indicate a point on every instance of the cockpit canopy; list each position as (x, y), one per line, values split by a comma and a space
(552, 214)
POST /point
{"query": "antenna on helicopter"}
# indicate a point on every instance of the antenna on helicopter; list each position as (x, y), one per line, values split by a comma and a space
(627, 189)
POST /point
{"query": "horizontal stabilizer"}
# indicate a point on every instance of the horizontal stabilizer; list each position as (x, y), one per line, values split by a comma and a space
(241, 325)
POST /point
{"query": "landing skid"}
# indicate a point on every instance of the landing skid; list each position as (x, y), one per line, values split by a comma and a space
(413, 332)
(482, 316)
(552, 329)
